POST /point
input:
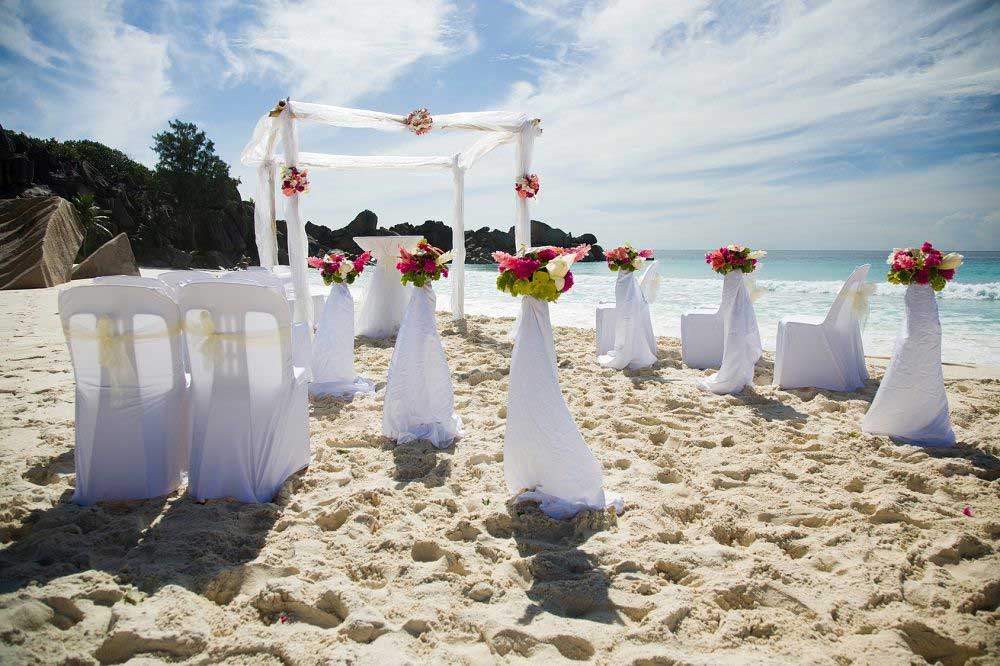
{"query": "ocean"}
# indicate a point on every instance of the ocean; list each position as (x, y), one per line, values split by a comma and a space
(796, 282)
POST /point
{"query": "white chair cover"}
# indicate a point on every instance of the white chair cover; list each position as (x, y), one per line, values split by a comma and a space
(911, 403)
(333, 348)
(702, 339)
(419, 403)
(249, 402)
(635, 344)
(177, 279)
(827, 353)
(136, 281)
(741, 339)
(132, 423)
(545, 457)
(384, 300)
(605, 331)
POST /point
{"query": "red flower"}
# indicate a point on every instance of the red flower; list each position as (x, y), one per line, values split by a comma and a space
(947, 273)
(547, 254)
(923, 276)
(967, 512)
(926, 247)
(568, 281)
(429, 265)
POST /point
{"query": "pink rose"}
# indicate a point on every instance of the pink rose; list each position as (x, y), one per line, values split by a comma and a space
(314, 262)
(525, 267)
(904, 262)
(429, 265)
(926, 247)
(932, 259)
(923, 276)
(546, 254)
(646, 254)
(568, 281)
(947, 273)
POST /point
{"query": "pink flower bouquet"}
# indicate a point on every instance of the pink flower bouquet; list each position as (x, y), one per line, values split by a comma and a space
(337, 268)
(543, 273)
(527, 186)
(294, 181)
(425, 264)
(734, 258)
(627, 258)
(923, 265)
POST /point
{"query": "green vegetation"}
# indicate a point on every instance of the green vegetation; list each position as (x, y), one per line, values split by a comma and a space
(94, 221)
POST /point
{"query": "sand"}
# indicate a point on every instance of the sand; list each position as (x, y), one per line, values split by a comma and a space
(759, 528)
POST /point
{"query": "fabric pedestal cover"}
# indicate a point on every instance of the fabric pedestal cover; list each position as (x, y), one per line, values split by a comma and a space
(911, 403)
(384, 300)
(741, 346)
(333, 348)
(419, 401)
(545, 457)
(635, 344)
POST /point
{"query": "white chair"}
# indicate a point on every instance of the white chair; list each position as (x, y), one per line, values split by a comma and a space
(702, 338)
(132, 423)
(136, 281)
(177, 279)
(249, 402)
(825, 352)
(301, 340)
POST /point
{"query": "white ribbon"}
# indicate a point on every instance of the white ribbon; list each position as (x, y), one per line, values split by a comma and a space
(860, 299)
(753, 291)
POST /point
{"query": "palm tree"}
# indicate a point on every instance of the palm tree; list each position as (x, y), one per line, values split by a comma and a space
(94, 220)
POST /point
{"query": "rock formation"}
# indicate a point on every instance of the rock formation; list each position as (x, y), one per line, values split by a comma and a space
(39, 238)
(113, 258)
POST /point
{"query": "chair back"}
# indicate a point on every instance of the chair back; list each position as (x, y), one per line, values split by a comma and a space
(125, 336)
(177, 279)
(842, 314)
(135, 281)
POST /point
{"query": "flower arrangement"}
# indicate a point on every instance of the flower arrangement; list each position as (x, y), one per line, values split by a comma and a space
(419, 121)
(425, 264)
(923, 265)
(543, 273)
(294, 181)
(627, 258)
(336, 267)
(734, 258)
(527, 186)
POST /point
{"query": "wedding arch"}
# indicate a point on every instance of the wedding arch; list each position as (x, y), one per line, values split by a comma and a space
(281, 123)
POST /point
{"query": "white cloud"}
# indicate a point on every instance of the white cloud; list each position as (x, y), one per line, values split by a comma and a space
(108, 80)
(340, 50)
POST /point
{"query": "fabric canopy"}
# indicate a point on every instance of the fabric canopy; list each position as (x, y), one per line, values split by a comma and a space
(501, 127)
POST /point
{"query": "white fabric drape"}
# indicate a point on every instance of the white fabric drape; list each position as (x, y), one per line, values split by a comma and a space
(298, 244)
(457, 267)
(545, 457)
(828, 353)
(333, 348)
(522, 166)
(419, 401)
(635, 344)
(742, 347)
(911, 403)
(650, 284)
(384, 300)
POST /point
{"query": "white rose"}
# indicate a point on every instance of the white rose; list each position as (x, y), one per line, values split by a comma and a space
(951, 261)
(559, 266)
(637, 263)
(345, 268)
(758, 254)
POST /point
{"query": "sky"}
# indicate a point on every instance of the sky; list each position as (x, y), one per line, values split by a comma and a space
(674, 124)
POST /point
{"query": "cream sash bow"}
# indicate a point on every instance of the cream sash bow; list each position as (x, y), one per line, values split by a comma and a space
(859, 298)
(211, 344)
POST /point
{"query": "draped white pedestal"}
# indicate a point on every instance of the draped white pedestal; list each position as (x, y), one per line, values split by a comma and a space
(545, 457)
(385, 298)
(911, 403)
(419, 401)
(635, 344)
(742, 347)
(333, 348)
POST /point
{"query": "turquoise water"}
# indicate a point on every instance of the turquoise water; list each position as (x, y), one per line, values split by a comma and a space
(796, 283)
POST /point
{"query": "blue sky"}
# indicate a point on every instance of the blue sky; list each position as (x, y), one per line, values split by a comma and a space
(682, 124)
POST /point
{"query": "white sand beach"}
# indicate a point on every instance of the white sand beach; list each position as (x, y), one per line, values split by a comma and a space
(759, 528)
